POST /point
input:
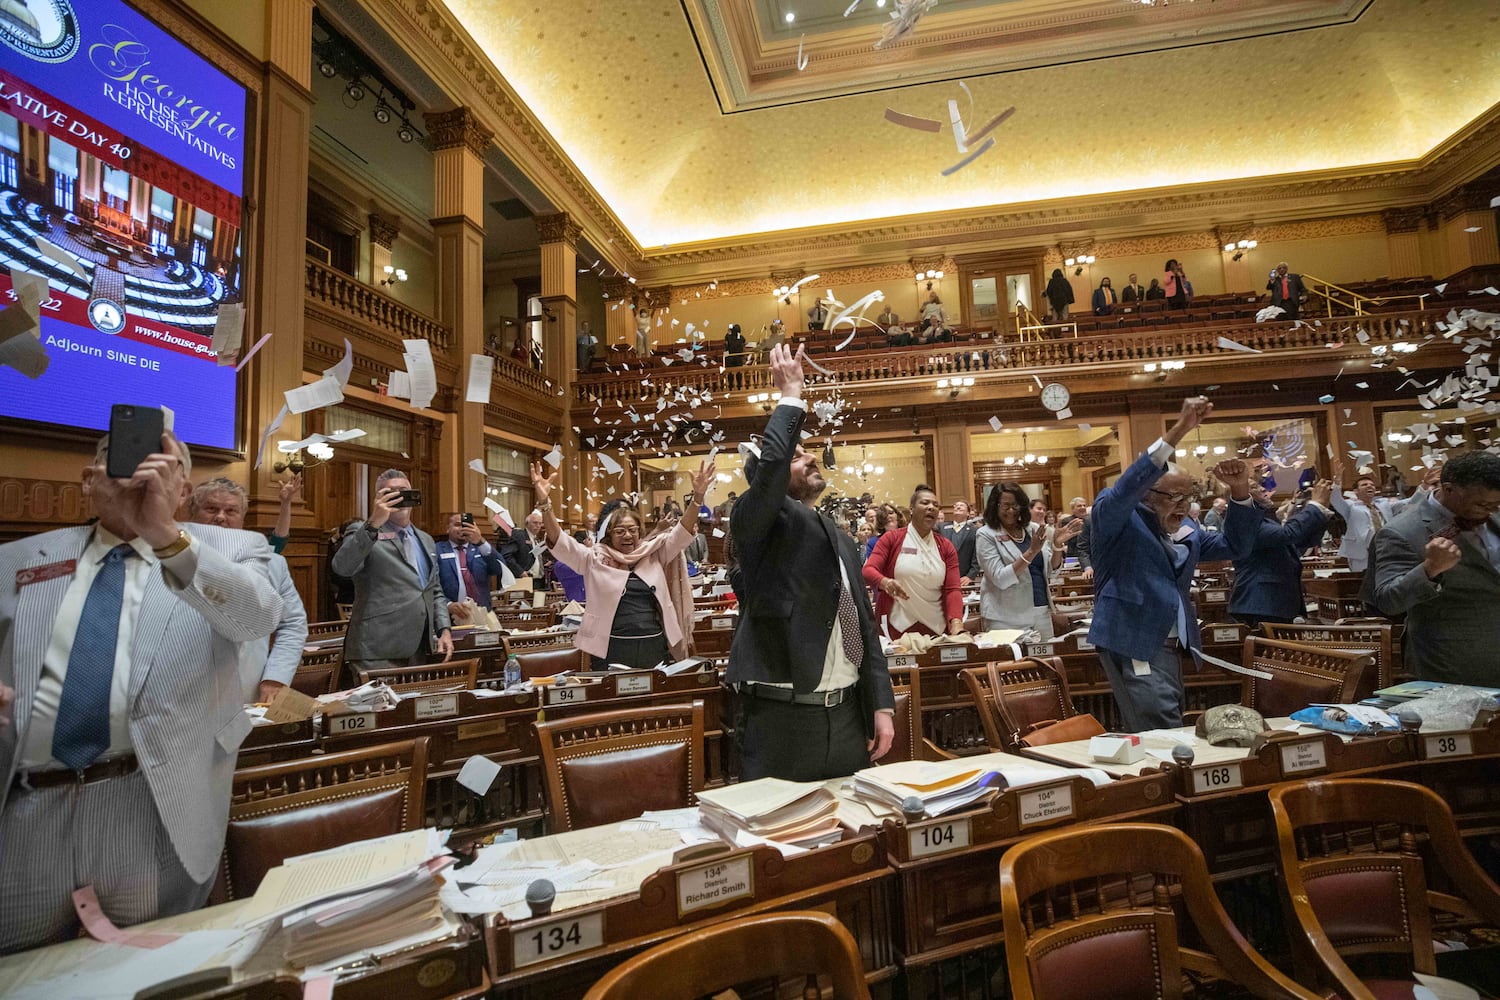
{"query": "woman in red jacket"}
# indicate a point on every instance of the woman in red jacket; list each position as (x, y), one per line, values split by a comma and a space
(915, 571)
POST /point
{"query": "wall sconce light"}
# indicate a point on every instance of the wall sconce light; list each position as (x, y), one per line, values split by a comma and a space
(929, 276)
(783, 294)
(955, 385)
(292, 460)
(1079, 263)
(1239, 247)
(393, 275)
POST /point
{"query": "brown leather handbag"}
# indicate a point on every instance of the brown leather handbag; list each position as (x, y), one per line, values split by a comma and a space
(1031, 716)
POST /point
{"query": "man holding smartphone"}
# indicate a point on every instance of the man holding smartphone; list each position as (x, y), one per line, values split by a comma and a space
(120, 642)
(398, 607)
(467, 563)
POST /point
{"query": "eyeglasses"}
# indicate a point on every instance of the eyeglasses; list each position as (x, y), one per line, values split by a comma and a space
(1175, 498)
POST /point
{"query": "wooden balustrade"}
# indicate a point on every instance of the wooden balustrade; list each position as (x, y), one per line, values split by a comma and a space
(511, 373)
(364, 304)
(1116, 348)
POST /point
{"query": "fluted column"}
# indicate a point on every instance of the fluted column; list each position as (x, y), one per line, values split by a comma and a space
(459, 144)
(559, 236)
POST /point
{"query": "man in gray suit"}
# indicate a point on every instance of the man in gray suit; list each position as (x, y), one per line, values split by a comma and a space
(1438, 563)
(264, 667)
(398, 605)
(120, 640)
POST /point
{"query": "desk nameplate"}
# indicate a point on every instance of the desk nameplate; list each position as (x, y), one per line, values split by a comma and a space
(556, 938)
(939, 837)
(715, 884)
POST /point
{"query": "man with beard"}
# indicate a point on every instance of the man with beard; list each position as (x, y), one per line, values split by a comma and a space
(1268, 579)
(815, 698)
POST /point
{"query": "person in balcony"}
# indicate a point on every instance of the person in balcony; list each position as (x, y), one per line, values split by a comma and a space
(1175, 282)
(1286, 291)
(1155, 291)
(1133, 292)
(1104, 299)
(915, 571)
(933, 307)
(1059, 296)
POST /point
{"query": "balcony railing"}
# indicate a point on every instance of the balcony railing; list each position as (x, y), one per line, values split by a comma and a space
(1121, 349)
(358, 301)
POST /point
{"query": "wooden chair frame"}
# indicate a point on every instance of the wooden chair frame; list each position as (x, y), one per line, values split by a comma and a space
(323, 630)
(311, 781)
(1001, 731)
(1046, 861)
(1375, 638)
(1373, 803)
(756, 948)
(318, 673)
(561, 740)
(454, 675)
(1315, 663)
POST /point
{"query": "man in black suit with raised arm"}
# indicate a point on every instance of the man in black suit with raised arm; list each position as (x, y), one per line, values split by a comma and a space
(815, 697)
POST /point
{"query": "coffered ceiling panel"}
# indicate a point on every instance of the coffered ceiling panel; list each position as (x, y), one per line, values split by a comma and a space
(627, 90)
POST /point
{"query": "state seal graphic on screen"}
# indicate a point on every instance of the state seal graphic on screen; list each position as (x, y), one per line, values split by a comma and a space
(45, 30)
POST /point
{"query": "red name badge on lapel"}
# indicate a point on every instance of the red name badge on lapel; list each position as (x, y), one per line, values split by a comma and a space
(41, 574)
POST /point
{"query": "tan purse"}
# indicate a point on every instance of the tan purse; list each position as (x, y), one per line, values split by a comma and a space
(1080, 726)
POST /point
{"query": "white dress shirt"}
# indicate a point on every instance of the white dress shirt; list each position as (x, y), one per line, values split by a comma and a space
(37, 753)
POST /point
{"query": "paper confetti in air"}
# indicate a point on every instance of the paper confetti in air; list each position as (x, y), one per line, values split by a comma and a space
(477, 464)
(609, 464)
(912, 121)
(1064, 414)
(253, 349)
(985, 148)
(1230, 345)
(995, 424)
(57, 253)
(1269, 313)
(801, 59)
(1325, 399)
(554, 457)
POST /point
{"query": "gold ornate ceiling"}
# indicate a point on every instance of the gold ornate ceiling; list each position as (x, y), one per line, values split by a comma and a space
(624, 90)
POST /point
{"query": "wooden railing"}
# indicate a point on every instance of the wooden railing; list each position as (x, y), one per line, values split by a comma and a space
(1116, 349)
(360, 302)
(510, 372)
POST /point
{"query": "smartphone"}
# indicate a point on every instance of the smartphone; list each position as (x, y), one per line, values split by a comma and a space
(134, 433)
(466, 518)
(410, 498)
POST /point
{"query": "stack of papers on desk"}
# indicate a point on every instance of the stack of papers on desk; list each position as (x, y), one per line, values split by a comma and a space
(353, 898)
(940, 786)
(803, 813)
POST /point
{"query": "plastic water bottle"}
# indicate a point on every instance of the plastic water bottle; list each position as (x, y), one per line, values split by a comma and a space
(512, 671)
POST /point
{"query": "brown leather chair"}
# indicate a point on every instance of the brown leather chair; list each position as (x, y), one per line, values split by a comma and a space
(1301, 675)
(1031, 692)
(612, 766)
(548, 661)
(1095, 911)
(907, 744)
(1351, 856)
(1375, 638)
(277, 811)
(756, 949)
(318, 673)
(455, 675)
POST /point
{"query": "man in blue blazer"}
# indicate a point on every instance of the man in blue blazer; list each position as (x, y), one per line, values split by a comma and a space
(1143, 611)
(1268, 579)
(466, 562)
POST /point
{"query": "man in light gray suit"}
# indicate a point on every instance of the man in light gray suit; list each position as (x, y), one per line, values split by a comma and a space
(264, 667)
(1439, 564)
(121, 642)
(398, 605)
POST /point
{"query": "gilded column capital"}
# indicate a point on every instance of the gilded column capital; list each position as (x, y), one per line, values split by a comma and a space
(616, 288)
(558, 228)
(927, 262)
(658, 298)
(459, 127)
(1091, 455)
(383, 231)
(1474, 197)
(781, 279)
(1403, 220)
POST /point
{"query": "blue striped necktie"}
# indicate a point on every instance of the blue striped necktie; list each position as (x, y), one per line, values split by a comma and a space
(82, 731)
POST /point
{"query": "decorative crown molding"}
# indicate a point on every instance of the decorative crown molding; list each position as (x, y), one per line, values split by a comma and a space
(383, 231)
(616, 288)
(928, 262)
(459, 127)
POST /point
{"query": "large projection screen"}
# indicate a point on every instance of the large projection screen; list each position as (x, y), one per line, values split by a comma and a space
(125, 149)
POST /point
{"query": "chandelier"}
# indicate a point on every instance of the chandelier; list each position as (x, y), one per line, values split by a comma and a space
(1026, 457)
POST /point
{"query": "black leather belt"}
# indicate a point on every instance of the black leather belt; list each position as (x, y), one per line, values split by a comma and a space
(115, 767)
(823, 699)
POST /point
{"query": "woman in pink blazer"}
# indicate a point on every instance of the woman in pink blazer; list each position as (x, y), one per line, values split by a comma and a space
(640, 606)
(915, 571)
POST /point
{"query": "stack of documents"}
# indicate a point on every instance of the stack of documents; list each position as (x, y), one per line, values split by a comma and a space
(803, 813)
(941, 786)
(355, 898)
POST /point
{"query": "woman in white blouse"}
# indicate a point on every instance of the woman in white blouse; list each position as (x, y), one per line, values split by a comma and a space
(1016, 560)
(915, 572)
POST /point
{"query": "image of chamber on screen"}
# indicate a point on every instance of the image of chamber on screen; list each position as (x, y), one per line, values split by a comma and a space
(145, 249)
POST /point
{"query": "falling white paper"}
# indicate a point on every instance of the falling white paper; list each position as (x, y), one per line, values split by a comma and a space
(30, 290)
(57, 253)
(1230, 345)
(341, 371)
(400, 385)
(554, 457)
(609, 464)
(326, 391)
(1064, 414)
(492, 506)
(229, 328)
(251, 353)
(265, 435)
(421, 373)
(995, 424)
(481, 373)
(477, 464)
(478, 774)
